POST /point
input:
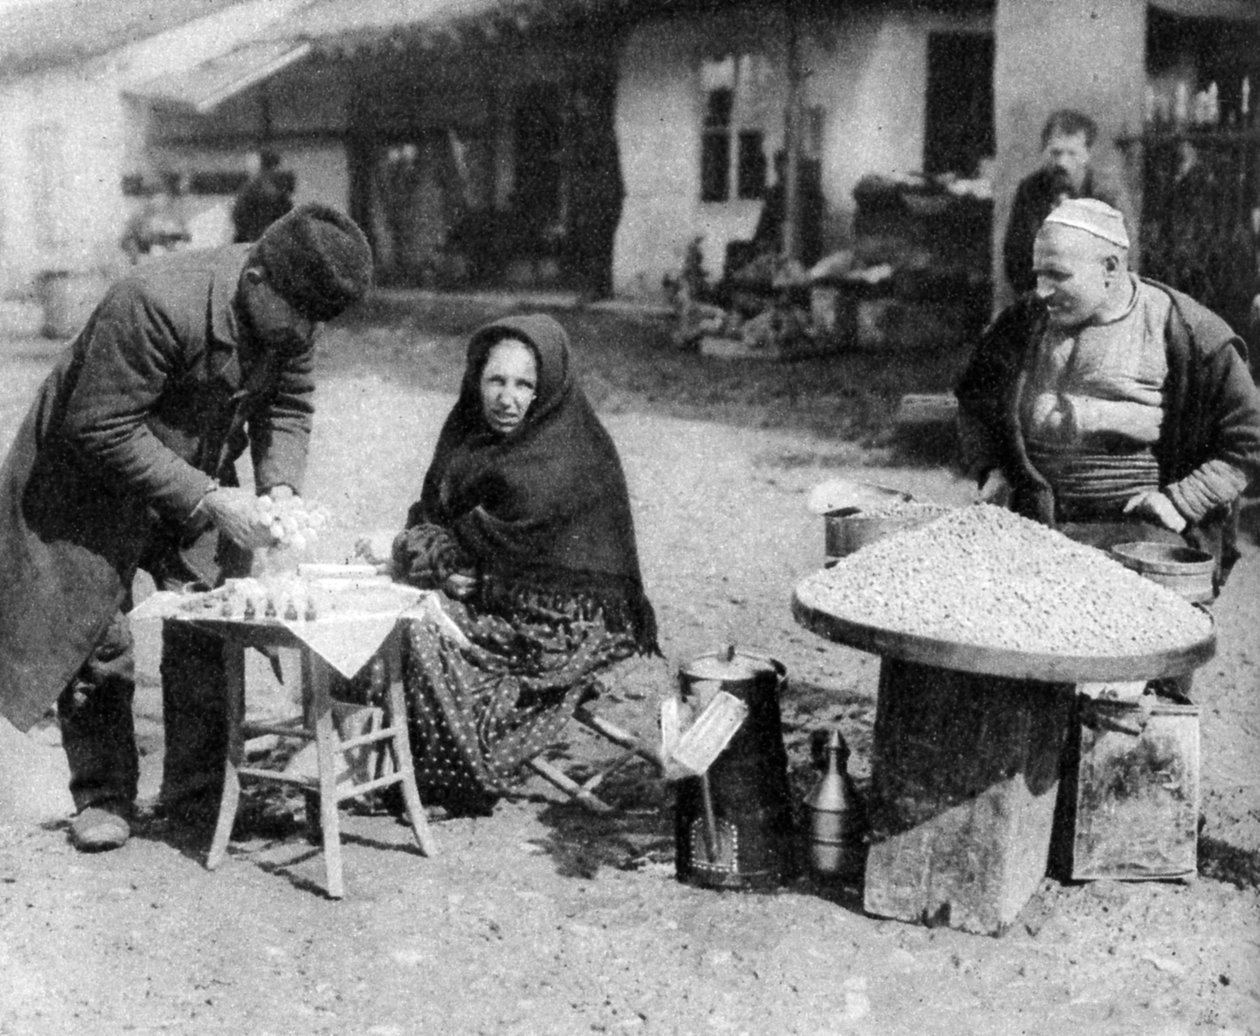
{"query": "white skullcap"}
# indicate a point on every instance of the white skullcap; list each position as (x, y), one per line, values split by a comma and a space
(1092, 216)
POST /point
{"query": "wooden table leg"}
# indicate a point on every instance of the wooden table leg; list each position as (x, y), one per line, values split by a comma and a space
(400, 746)
(315, 681)
(234, 691)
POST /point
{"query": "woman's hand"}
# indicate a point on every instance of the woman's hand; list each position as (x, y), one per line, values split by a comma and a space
(459, 585)
(426, 554)
(375, 548)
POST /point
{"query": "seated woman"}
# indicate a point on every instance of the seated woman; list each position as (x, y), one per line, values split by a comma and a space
(524, 524)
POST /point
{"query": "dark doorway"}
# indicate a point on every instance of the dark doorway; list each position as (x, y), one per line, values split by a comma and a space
(539, 160)
(595, 186)
(958, 129)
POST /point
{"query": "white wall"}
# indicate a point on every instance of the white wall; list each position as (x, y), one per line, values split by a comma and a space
(870, 76)
(659, 116)
(867, 70)
(60, 162)
(70, 137)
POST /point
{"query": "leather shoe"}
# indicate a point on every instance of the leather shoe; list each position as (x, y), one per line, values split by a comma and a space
(99, 829)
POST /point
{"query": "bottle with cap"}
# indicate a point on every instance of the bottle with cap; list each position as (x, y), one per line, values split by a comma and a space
(836, 818)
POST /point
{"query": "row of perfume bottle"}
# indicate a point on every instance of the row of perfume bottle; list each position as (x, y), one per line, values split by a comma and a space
(1182, 108)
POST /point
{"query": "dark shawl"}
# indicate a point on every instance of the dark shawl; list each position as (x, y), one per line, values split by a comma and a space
(544, 508)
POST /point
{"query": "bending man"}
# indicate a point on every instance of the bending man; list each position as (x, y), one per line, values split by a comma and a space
(126, 460)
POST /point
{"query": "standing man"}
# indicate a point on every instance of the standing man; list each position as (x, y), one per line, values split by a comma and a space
(1066, 172)
(126, 460)
(1109, 406)
(265, 197)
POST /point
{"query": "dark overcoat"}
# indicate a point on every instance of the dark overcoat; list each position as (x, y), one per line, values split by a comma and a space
(147, 407)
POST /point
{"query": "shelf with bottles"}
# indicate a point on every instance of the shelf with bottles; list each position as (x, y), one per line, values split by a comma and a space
(1200, 135)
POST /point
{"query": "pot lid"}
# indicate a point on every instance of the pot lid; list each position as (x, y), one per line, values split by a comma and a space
(846, 495)
(728, 666)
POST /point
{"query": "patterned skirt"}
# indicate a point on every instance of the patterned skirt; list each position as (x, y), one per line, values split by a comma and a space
(478, 711)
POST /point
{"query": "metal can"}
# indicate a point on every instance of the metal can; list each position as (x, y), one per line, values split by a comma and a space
(733, 826)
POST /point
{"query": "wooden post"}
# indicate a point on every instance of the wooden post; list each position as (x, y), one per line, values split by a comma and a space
(791, 135)
(963, 786)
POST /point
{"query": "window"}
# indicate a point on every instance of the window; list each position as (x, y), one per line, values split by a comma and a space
(732, 152)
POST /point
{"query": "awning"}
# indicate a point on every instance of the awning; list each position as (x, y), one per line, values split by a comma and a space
(1225, 10)
(209, 84)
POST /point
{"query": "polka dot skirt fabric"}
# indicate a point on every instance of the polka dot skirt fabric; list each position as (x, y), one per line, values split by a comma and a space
(478, 713)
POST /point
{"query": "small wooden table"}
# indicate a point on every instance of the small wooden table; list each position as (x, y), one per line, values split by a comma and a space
(317, 724)
(965, 769)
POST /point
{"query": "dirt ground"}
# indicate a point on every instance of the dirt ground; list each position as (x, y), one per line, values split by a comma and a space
(545, 918)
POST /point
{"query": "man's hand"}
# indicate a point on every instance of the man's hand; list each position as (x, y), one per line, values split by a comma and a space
(236, 514)
(1157, 505)
(995, 490)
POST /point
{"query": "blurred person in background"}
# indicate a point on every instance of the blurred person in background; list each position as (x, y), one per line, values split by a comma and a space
(1067, 171)
(265, 197)
(159, 226)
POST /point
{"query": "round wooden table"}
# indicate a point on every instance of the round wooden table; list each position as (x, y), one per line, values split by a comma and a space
(967, 752)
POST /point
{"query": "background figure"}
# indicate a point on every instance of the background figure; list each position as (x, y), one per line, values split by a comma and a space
(266, 196)
(768, 237)
(159, 227)
(1067, 171)
(596, 189)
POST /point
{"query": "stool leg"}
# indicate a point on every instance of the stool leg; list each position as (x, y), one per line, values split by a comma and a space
(316, 686)
(400, 746)
(234, 689)
(578, 792)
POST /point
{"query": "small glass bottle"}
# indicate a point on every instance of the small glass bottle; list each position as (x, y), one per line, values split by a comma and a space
(837, 821)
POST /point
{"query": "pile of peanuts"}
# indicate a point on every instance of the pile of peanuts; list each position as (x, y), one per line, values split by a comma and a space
(984, 576)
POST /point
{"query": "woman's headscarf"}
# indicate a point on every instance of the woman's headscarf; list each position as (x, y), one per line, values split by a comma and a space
(544, 507)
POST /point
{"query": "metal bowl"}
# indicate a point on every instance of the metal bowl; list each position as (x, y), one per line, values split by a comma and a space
(1183, 570)
(846, 496)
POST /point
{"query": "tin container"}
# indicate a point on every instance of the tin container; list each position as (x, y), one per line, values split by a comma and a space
(1131, 792)
(1183, 570)
(848, 530)
(733, 826)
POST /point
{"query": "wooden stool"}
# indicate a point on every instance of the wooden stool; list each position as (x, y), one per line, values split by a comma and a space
(317, 725)
(584, 791)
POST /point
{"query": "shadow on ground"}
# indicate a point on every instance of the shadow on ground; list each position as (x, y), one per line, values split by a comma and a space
(1249, 520)
(1224, 862)
(636, 833)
